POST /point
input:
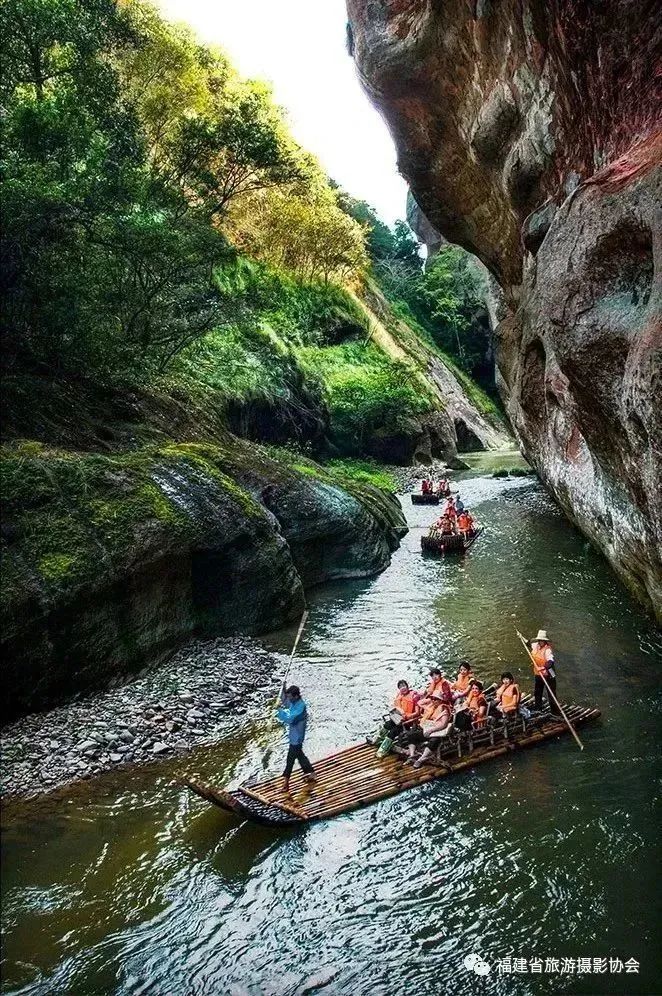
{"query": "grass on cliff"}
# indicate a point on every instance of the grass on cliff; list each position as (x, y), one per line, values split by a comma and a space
(343, 471)
(307, 346)
(366, 392)
(478, 397)
(71, 518)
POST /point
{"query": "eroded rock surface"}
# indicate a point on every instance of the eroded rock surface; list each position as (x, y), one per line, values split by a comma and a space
(114, 560)
(530, 134)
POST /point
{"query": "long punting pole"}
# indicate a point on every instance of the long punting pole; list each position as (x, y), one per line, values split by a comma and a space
(294, 649)
(549, 690)
(268, 751)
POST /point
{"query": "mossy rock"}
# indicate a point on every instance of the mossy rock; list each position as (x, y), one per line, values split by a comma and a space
(112, 559)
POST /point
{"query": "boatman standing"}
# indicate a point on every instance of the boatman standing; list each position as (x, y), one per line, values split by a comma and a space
(543, 667)
(293, 715)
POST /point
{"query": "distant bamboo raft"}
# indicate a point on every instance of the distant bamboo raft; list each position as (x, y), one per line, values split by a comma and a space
(356, 777)
(449, 542)
(431, 498)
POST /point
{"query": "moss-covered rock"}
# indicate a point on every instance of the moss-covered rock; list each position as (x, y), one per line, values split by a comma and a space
(110, 560)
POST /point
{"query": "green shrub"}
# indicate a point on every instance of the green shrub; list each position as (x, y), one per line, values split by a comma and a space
(365, 392)
(363, 471)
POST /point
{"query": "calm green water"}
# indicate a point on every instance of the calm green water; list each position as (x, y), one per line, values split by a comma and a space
(130, 886)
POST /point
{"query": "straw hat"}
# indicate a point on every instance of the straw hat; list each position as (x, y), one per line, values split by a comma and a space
(542, 635)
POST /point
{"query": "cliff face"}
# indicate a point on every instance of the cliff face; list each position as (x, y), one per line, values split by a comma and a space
(111, 560)
(529, 132)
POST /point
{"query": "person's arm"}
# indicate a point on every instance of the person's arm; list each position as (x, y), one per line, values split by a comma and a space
(290, 715)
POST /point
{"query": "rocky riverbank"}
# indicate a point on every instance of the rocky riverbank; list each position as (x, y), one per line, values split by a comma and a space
(166, 710)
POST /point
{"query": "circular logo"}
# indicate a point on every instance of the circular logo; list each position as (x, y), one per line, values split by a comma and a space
(474, 963)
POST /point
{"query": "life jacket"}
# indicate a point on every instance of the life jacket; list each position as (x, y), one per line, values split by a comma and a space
(434, 711)
(475, 700)
(445, 524)
(406, 702)
(425, 487)
(450, 510)
(463, 522)
(508, 696)
(433, 687)
(542, 658)
(461, 683)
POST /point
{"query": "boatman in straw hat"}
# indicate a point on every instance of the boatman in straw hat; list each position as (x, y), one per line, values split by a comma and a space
(543, 668)
(293, 715)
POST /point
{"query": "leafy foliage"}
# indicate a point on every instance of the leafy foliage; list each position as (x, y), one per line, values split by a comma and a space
(124, 139)
(366, 392)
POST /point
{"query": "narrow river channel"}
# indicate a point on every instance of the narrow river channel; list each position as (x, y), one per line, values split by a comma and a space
(128, 885)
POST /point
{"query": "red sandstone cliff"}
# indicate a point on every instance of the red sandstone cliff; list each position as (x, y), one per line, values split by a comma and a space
(530, 133)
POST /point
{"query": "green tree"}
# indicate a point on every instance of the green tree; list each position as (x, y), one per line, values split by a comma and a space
(106, 264)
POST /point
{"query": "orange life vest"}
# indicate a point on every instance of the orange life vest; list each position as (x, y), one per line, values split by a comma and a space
(433, 687)
(434, 711)
(508, 696)
(406, 702)
(461, 683)
(542, 658)
(475, 700)
(464, 522)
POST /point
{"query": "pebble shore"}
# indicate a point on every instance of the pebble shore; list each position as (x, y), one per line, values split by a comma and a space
(163, 711)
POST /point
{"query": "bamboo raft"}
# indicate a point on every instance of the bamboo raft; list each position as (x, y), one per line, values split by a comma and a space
(418, 498)
(453, 543)
(356, 777)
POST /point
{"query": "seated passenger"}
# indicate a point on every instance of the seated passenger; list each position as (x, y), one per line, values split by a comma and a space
(426, 487)
(461, 684)
(459, 504)
(465, 523)
(442, 486)
(406, 700)
(444, 525)
(438, 687)
(508, 696)
(405, 712)
(476, 703)
(436, 716)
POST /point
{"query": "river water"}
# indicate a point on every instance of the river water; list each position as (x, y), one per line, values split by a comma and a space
(129, 885)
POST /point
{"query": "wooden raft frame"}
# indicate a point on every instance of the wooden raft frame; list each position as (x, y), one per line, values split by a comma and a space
(453, 543)
(356, 777)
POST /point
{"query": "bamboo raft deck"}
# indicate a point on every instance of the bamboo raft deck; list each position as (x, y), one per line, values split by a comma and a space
(452, 543)
(356, 777)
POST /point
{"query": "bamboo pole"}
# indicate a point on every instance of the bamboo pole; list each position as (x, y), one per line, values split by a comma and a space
(549, 690)
(294, 650)
(268, 752)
